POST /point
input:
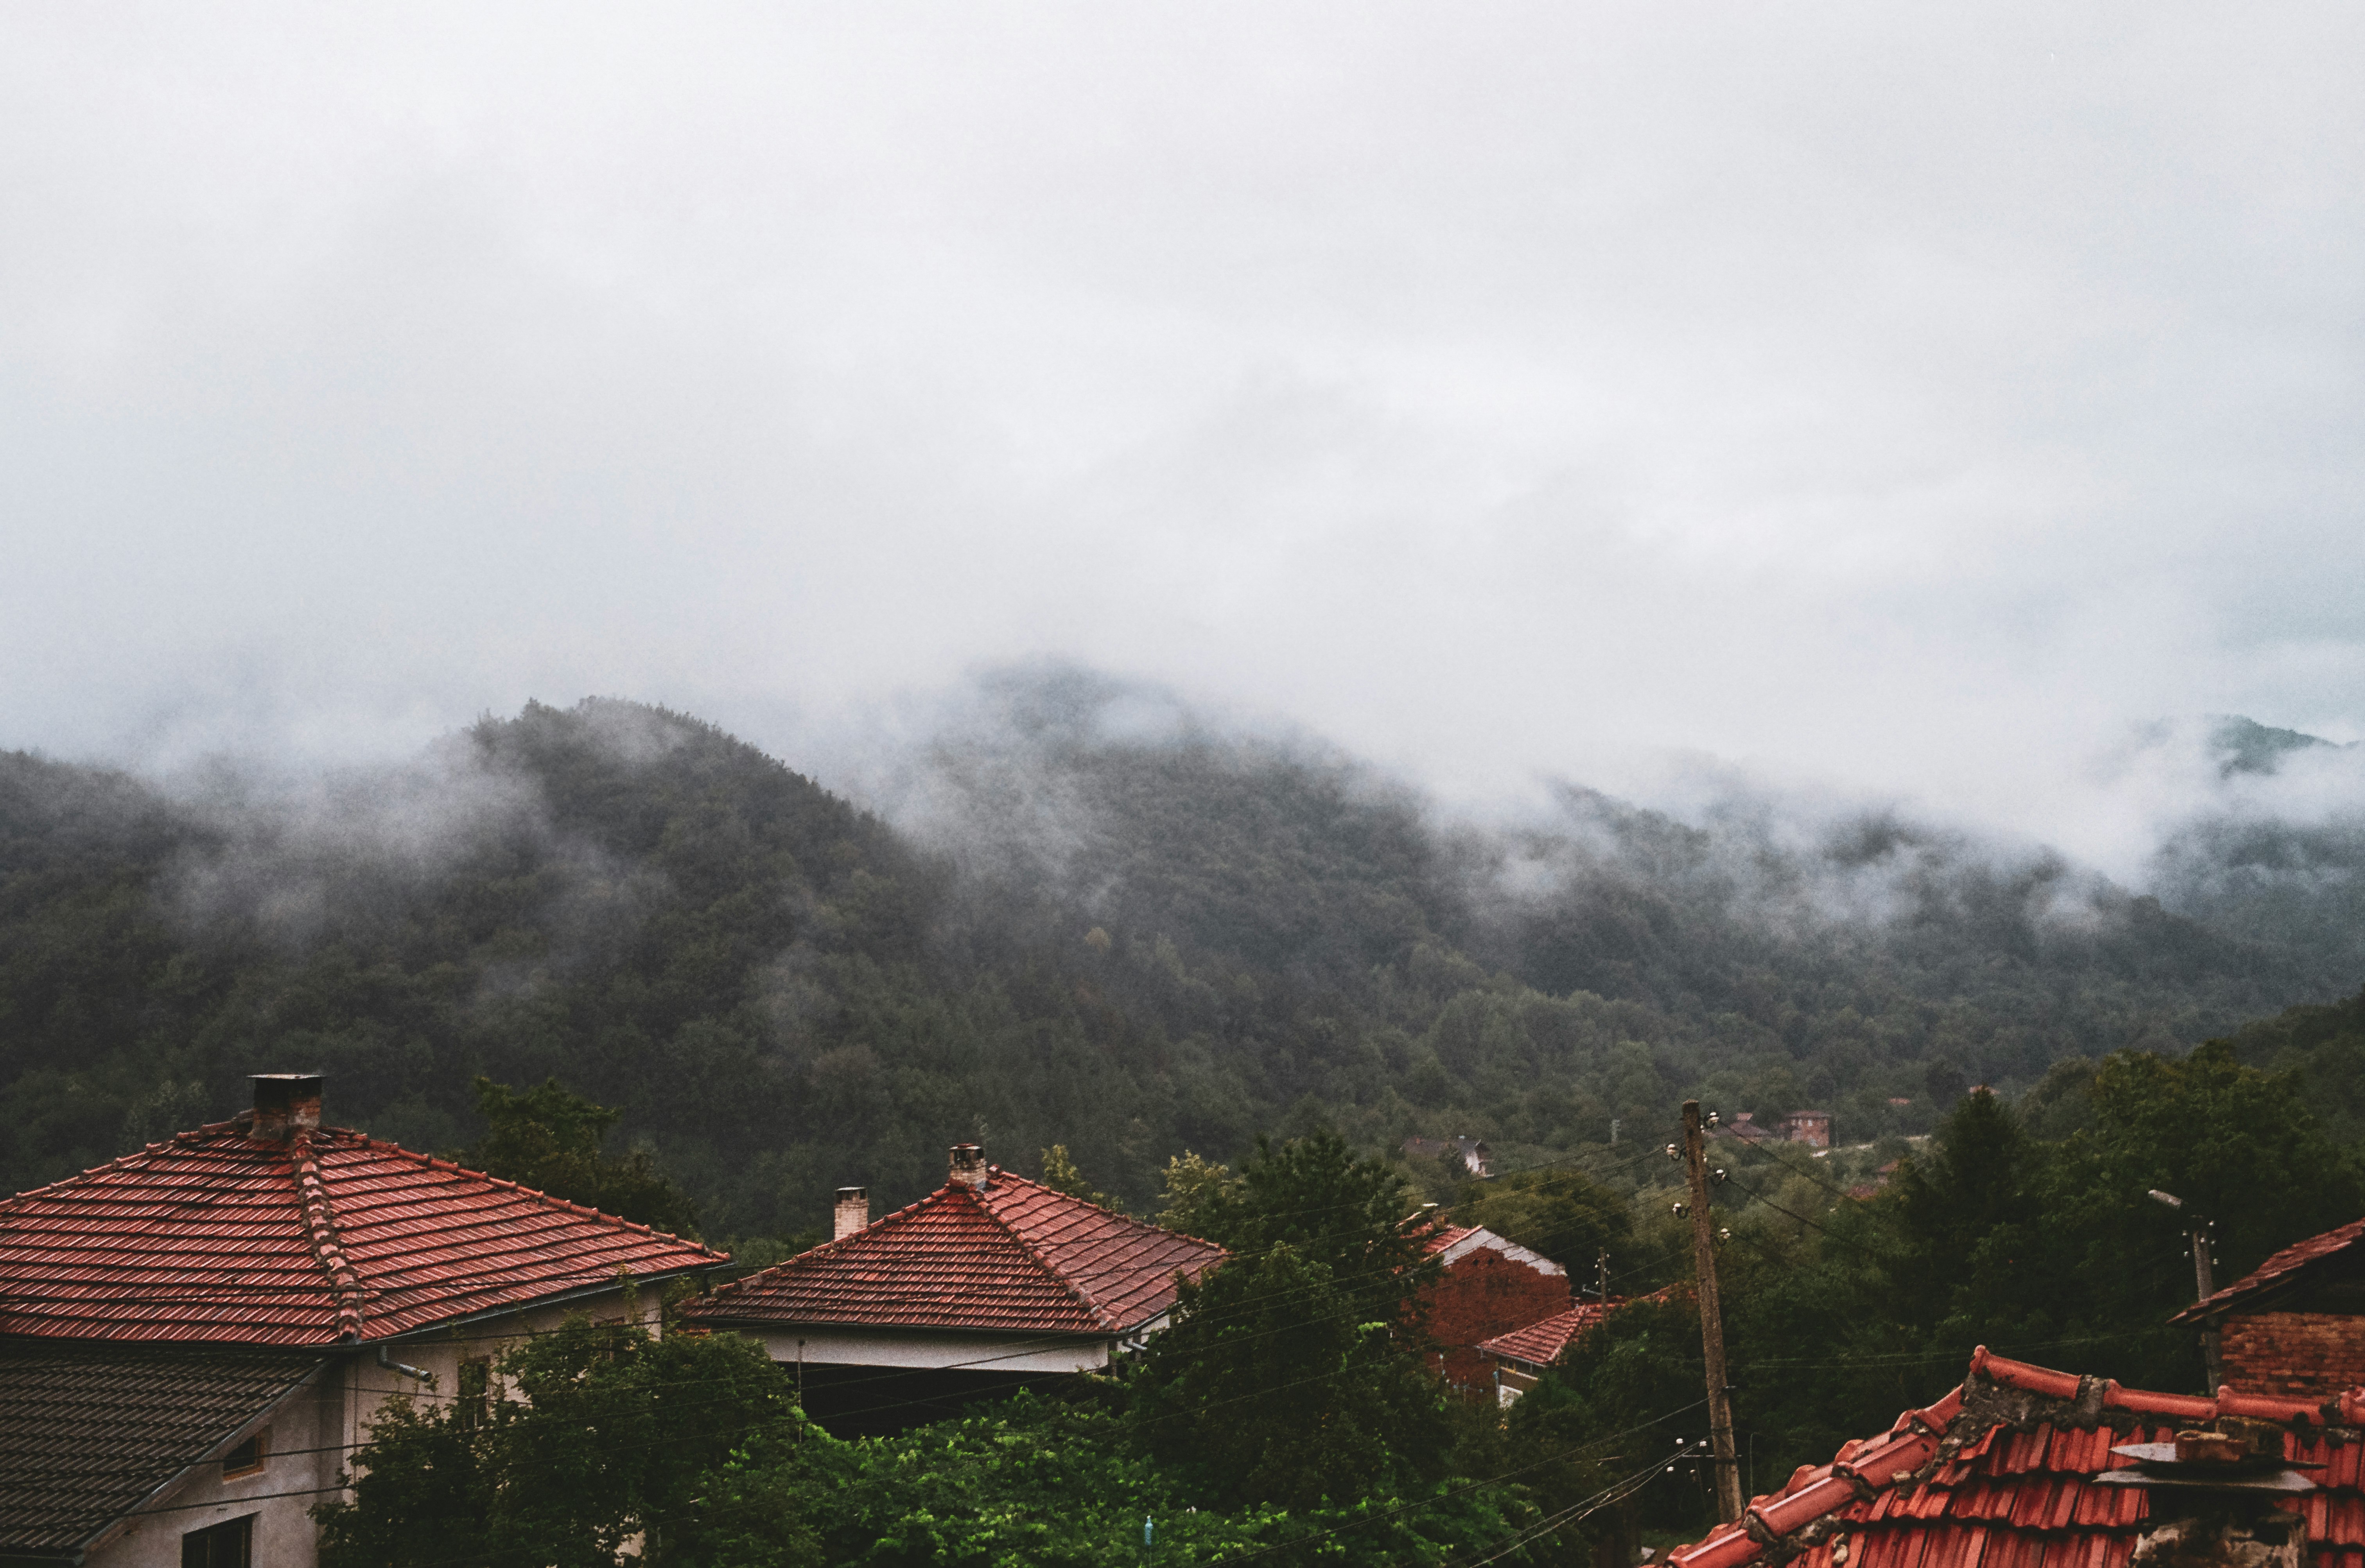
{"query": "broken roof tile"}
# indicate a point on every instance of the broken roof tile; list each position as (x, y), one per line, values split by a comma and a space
(2021, 1494)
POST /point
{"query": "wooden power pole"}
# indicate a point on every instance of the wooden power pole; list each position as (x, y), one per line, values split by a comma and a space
(2204, 1285)
(1711, 1316)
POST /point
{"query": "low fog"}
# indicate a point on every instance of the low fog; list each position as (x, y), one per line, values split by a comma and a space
(1856, 410)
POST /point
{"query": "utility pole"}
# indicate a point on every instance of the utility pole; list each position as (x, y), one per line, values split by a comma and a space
(2205, 1279)
(2199, 1233)
(1711, 1316)
(1601, 1267)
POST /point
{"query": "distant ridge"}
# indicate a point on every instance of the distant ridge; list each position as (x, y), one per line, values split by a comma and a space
(2245, 746)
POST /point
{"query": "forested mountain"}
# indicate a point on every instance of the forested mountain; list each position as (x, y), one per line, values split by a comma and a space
(1128, 939)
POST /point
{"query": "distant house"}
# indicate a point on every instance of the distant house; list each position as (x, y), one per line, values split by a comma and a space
(2295, 1325)
(989, 1283)
(196, 1336)
(1470, 1153)
(1514, 1362)
(2025, 1467)
(1485, 1286)
(1811, 1127)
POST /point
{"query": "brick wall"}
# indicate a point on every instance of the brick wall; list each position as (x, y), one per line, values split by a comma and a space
(1482, 1295)
(2307, 1354)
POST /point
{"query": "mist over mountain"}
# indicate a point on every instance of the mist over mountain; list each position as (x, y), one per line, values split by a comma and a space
(1085, 913)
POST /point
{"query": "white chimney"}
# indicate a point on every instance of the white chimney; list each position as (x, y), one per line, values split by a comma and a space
(969, 1164)
(853, 1211)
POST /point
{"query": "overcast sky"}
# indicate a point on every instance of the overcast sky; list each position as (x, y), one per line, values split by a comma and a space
(1912, 398)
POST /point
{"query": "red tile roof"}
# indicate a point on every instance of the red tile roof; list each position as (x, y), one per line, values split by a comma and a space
(327, 1237)
(1539, 1344)
(2281, 1268)
(1013, 1256)
(2000, 1475)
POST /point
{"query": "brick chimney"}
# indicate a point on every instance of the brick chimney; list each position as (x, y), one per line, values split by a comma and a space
(853, 1211)
(969, 1164)
(284, 1103)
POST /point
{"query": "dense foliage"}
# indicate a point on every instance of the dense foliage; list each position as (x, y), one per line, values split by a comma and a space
(549, 1140)
(1842, 1311)
(1119, 943)
(1286, 1412)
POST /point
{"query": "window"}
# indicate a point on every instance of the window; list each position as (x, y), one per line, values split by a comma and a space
(475, 1385)
(249, 1457)
(230, 1544)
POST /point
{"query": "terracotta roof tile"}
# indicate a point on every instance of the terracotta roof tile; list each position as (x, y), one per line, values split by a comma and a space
(1013, 1256)
(327, 1236)
(1539, 1344)
(2021, 1494)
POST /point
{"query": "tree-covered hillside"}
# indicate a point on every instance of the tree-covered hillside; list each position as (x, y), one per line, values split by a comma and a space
(1130, 940)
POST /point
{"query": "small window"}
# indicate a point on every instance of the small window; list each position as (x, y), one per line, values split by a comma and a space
(226, 1545)
(475, 1387)
(249, 1457)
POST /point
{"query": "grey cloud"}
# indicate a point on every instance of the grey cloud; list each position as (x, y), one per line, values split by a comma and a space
(1907, 403)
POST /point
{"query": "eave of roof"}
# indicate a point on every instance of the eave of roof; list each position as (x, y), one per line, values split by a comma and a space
(2277, 1274)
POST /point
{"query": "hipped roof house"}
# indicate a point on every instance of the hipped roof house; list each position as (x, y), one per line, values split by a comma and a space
(159, 1311)
(988, 1281)
(2005, 1472)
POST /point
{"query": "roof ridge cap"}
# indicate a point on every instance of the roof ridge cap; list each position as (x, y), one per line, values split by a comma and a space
(1093, 1309)
(321, 1230)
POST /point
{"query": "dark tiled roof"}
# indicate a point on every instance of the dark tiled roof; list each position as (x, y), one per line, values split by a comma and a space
(2281, 1268)
(1013, 1256)
(88, 1431)
(327, 1236)
(2000, 1475)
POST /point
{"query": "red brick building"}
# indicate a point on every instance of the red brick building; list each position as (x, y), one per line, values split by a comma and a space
(2295, 1325)
(1488, 1287)
(2023, 1467)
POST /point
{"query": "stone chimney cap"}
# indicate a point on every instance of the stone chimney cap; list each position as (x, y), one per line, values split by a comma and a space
(284, 1103)
(968, 1167)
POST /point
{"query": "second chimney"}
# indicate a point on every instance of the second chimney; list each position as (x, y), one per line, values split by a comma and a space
(853, 1211)
(284, 1103)
(969, 1164)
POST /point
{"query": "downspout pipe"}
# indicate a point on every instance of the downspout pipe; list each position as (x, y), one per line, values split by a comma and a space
(390, 1365)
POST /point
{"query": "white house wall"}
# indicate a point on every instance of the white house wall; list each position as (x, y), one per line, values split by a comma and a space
(316, 1430)
(983, 1353)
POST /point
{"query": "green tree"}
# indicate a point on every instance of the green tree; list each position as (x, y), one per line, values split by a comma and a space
(585, 1439)
(549, 1138)
(1291, 1375)
(1564, 1215)
(1060, 1172)
(1195, 1187)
